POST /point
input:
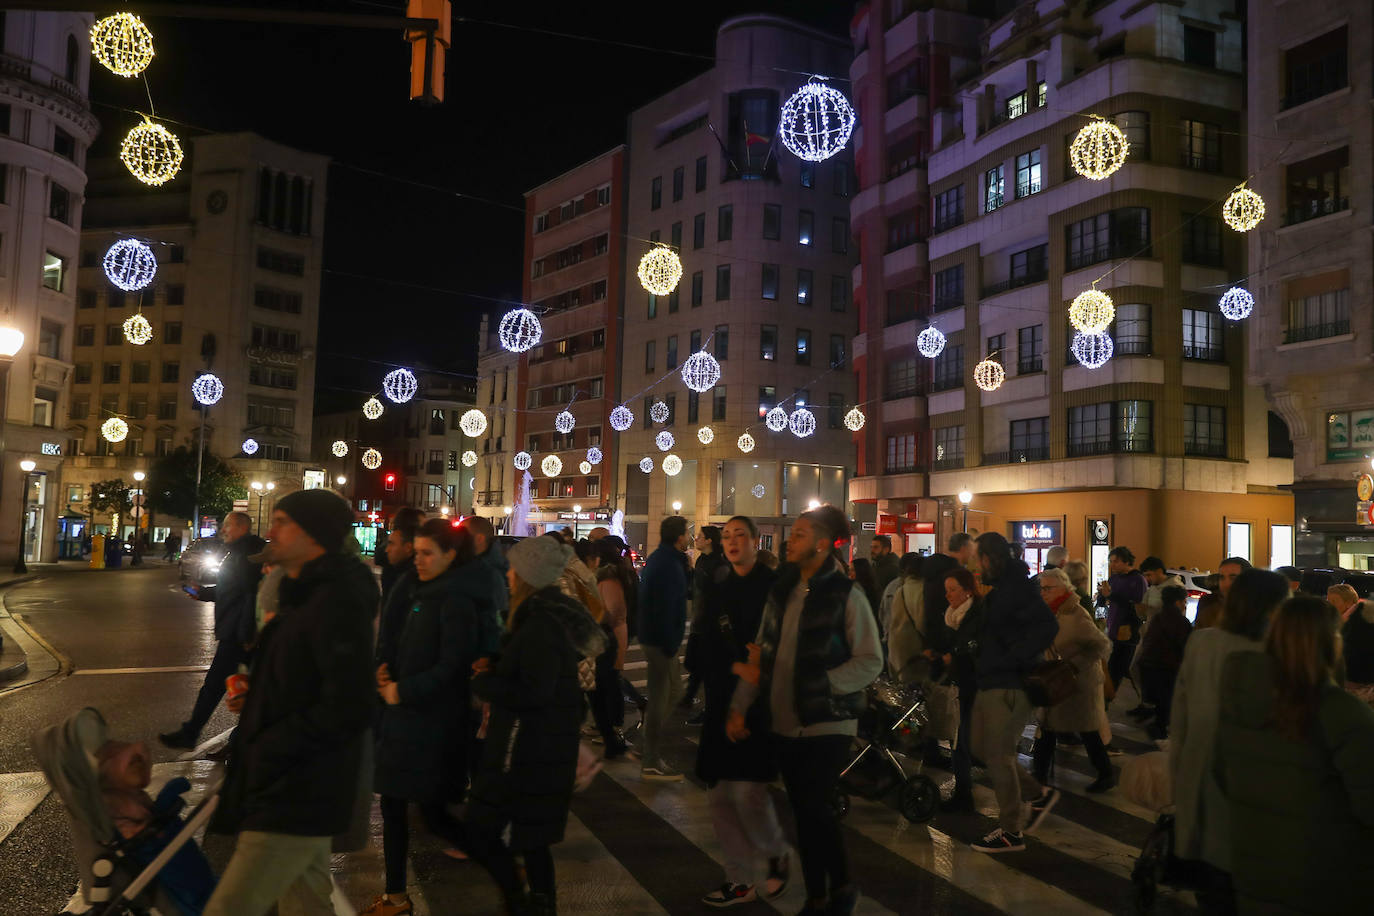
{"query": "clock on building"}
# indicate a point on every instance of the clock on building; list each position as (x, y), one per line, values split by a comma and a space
(217, 202)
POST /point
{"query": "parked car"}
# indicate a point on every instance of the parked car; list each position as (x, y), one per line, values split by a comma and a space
(199, 567)
(1194, 581)
(1317, 580)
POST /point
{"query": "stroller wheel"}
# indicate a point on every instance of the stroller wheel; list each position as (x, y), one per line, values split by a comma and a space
(839, 803)
(918, 799)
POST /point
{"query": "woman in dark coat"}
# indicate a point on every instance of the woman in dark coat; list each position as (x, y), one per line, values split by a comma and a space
(963, 621)
(422, 669)
(525, 779)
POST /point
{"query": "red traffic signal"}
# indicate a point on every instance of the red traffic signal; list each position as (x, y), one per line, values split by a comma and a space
(390, 481)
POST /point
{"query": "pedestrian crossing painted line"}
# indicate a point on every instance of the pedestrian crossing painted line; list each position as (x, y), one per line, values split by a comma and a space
(170, 669)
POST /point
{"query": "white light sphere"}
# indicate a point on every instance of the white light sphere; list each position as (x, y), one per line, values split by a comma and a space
(802, 422)
(250, 446)
(473, 423)
(1237, 303)
(11, 340)
(372, 408)
(152, 153)
(776, 420)
(400, 385)
(646, 464)
(523, 461)
(114, 429)
(758, 490)
(520, 330)
(930, 342)
(700, 372)
(660, 270)
(672, 465)
(594, 455)
(854, 420)
(339, 448)
(564, 422)
(552, 465)
(1099, 149)
(137, 330)
(372, 459)
(1092, 350)
(122, 44)
(989, 375)
(585, 467)
(659, 412)
(706, 435)
(664, 440)
(207, 388)
(1091, 311)
(622, 418)
(130, 264)
(745, 443)
(1243, 210)
(469, 458)
(816, 121)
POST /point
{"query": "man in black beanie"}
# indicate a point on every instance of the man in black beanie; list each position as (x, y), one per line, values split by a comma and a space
(294, 759)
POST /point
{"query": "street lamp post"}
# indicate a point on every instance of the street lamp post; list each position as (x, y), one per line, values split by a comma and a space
(27, 467)
(507, 511)
(263, 489)
(137, 559)
(965, 497)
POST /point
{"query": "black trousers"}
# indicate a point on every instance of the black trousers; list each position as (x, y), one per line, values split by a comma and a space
(1159, 685)
(396, 835)
(810, 769)
(608, 706)
(229, 654)
(1042, 754)
(1119, 663)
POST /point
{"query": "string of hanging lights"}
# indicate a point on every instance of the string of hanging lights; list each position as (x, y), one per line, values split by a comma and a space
(816, 121)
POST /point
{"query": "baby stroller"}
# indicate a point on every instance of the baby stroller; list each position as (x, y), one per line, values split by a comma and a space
(159, 871)
(894, 722)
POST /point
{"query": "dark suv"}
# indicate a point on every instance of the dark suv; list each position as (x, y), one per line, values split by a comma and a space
(199, 566)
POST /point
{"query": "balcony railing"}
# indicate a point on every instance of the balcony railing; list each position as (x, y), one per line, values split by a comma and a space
(434, 467)
(1100, 253)
(1128, 346)
(945, 303)
(950, 462)
(1316, 331)
(1110, 447)
(1312, 209)
(1200, 163)
(949, 221)
(1207, 353)
(1204, 449)
(1018, 455)
(488, 497)
(1332, 79)
(906, 391)
(1035, 276)
(901, 469)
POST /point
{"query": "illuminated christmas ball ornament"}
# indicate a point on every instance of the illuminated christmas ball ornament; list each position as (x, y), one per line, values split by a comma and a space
(706, 435)
(672, 465)
(585, 467)
(523, 461)
(552, 465)
(122, 43)
(519, 330)
(989, 375)
(152, 153)
(664, 440)
(473, 423)
(646, 464)
(594, 455)
(802, 422)
(622, 418)
(659, 412)
(816, 121)
(1092, 350)
(660, 270)
(564, 422)
(745, 443)
(114, 429)
(1243, 210)
(372, 408)
(339, 448)
(776, 420)
(137, 330)
(400, 385)
(854, 420)
(758, 490)
(207, 389)
(700, 372)
(1236, 304)
(930, 342)
(130, 264)
(1099, 149)
(469, 458)
(1091, 311)
(372, 459)
(250, 446)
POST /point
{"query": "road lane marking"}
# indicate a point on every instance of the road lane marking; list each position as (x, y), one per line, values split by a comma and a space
(173, 669)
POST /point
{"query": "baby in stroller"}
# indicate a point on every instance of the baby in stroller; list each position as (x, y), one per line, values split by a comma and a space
(135, 851)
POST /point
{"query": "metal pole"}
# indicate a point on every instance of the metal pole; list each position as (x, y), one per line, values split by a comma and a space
(200, 457)
(19, 565)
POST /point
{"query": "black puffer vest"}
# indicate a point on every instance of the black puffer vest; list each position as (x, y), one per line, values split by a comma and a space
(822, 644)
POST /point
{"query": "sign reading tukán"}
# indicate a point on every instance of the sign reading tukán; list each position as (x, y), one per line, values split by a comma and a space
(1037, 532)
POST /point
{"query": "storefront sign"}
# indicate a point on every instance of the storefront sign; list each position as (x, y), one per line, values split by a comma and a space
(1349, 435)
(52, 448)
(887, 524)
(1364, 488)
(1364, 512)
(1036, 533)
(869, 526)
(313, 479)
(586, 515)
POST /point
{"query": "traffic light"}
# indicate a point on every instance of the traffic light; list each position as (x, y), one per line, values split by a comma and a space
(390, 482)
(427, 49)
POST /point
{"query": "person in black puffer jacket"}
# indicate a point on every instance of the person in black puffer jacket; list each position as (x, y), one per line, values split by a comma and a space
(1018, 626)
(525, 779)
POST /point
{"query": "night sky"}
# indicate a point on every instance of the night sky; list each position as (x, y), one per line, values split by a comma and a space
(408, 268)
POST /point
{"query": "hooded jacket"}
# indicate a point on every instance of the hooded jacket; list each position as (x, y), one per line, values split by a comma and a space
(1017, 628)
(482, 582)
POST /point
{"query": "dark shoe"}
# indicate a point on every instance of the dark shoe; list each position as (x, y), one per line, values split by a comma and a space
(697, 718)
(1041, 807)
(843, 901)
(178, 740)
(1141, 712)
(1156, 731)
(959, 803)
(730, 895)
(779, 870)
(1102, 784)
(999, 841)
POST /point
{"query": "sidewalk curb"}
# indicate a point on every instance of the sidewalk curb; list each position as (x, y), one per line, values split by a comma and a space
(12, 676)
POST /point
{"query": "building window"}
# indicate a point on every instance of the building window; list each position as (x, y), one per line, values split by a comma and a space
(903, 378)
(901, 454)
(1107, 428)
(1136, 126)
(59, 203)
(906, 82)
(839, 235)
(171, 333)
(114, 335)
(697, 282)
(806, 174)
(44, 406)
(656, 193)
(721, 341)
(904, 155)
(835, 411)
(949, 447)
(281, 262)
(804, 280)
(949, 288)
(806, 227)
(725, 223)
(949, 208)
(603, 196)
(50, 339)
(1202, 240)
(1320, 315)
(651, 308)
(803, 347)
(110, 373)
(722, 282)
(698, 231)
(138, 406)
(673, 299)
(1030, 440)
(679, 179)
(768, 399)
(85, 298)
(176, 294)
(1199, 46)
(1238, 540)
(693, 406)
(81, 374)
(1202, 337)
(115, 298)
(1204, 430)
(649, 349)
(993, 186)
(1119, 233)
(1200, 146)
(836, 350)
(769, 285)
(839, 293)
(949, 368)
(842, 181)
(1131, 332)
(670, 352)
(1016, 106)
(1030, 349)
(701, 173)
(675, 233)
(903, 229)
(64, 144)
(772, 221)
(718, 402)
(54, 271)
(271, 376)
(1029, 266)
(1318, 186)
(768, 342)
(85, 335)
(277, 300)
(593, 486)
(1315, 68)
(140, 372)
(1028, 173)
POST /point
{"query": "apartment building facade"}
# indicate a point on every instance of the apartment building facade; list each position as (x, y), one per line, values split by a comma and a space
(767, 256)
(498, 396)
(1164, 449)
(1312, 261)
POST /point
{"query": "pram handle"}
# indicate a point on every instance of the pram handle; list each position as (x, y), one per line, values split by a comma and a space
(198, 819)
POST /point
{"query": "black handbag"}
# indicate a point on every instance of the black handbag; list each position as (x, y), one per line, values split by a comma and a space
(1051, 683)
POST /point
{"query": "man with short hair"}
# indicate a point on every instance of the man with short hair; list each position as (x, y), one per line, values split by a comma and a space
(598, 533)
(487, 583)
(886, 566)
(1209, 606)
(1123, 590)
(1161, 655)
(1294, 577)
(1156, 579)
(1056, 557)
(663, 622)
(236, 591)
(409, 520)
(295, 758)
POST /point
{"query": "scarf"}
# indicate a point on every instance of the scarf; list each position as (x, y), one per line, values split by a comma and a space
(955, 615)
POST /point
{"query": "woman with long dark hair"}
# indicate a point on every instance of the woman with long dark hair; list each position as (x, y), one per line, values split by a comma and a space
(1293, 753)
(614, 585)
(964, 620)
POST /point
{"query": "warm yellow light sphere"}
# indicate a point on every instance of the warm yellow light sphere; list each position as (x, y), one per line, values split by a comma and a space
(114, 429)
(1091, 311)
(745, 443)
(1099, 149)
(1243, 210)
(855, 419)
(122, 43)
(706, 435)
(660, 270)
(989, 375)
(152, 153)
(552, 466)
(137, 330)
(372, 459)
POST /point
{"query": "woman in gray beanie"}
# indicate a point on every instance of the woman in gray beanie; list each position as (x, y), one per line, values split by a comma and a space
(525, 778)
